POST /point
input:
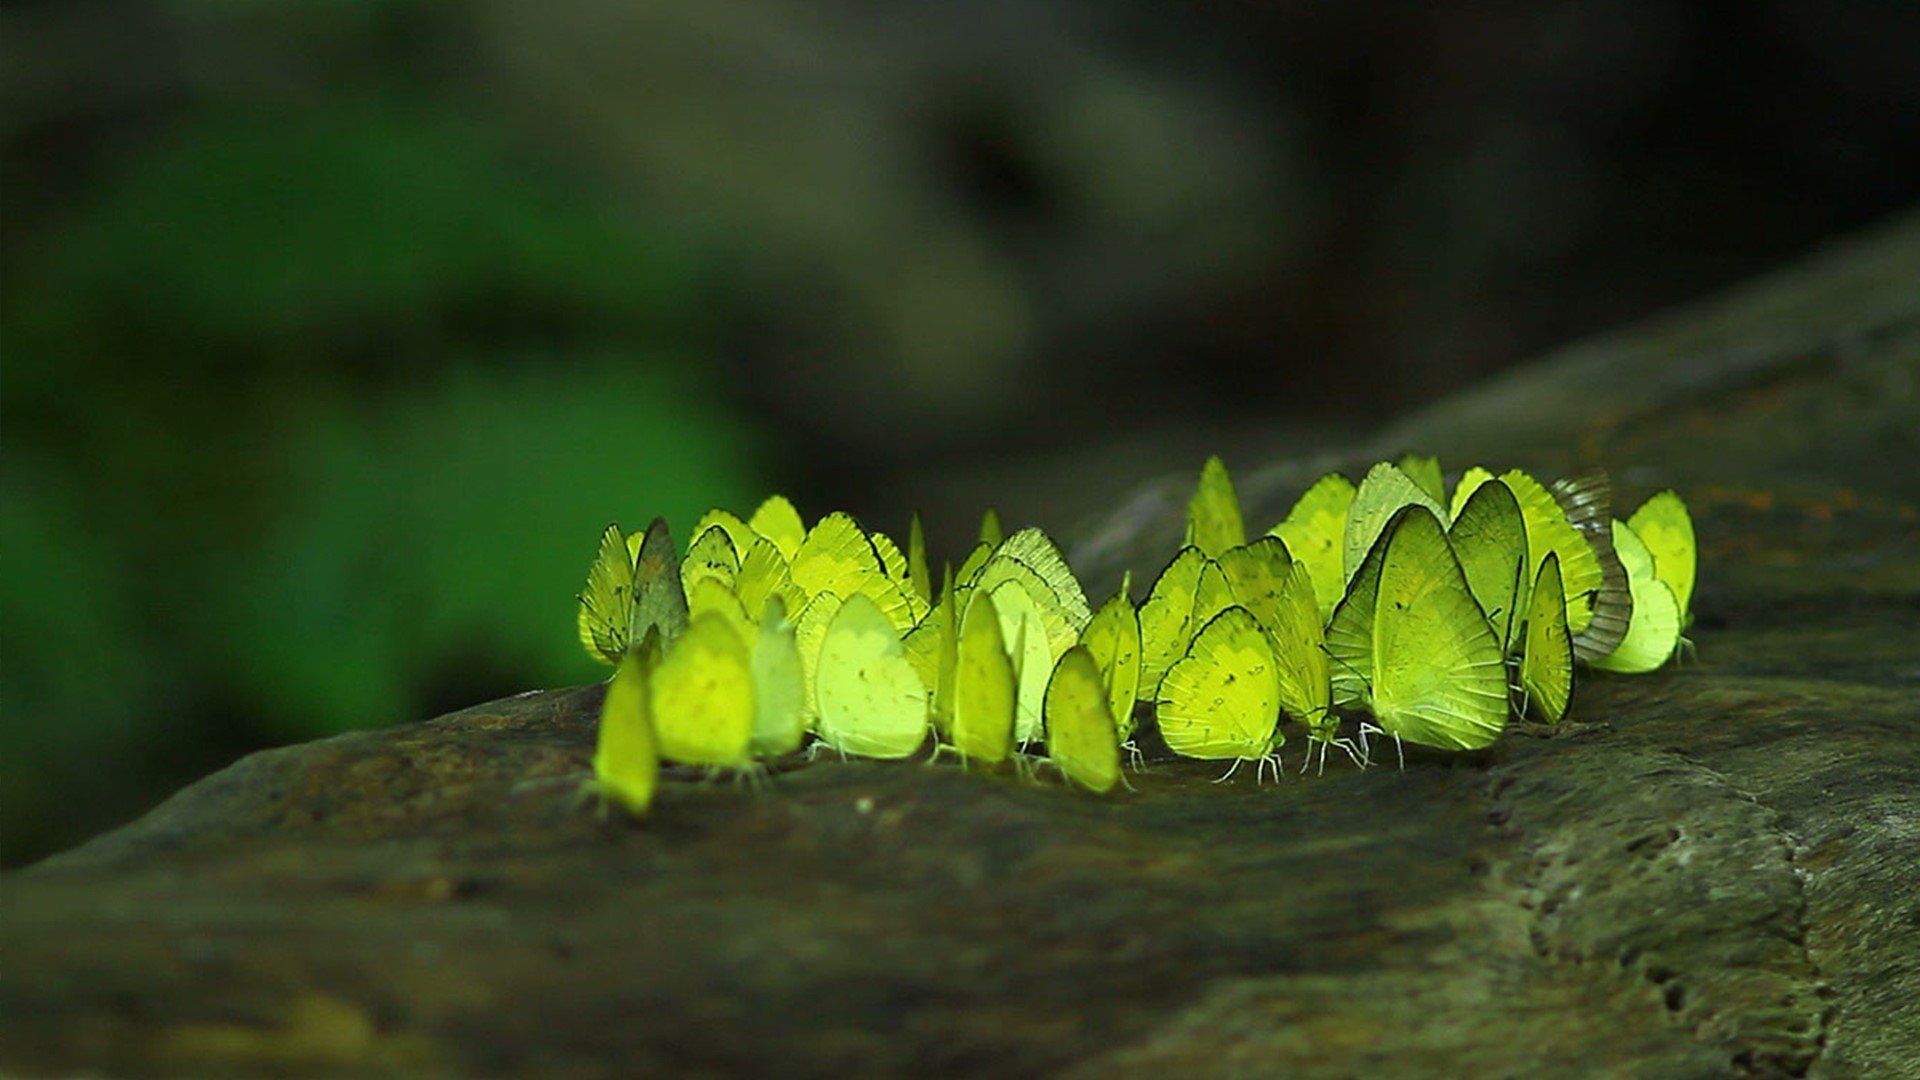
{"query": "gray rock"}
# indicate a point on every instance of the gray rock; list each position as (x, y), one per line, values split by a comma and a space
(1709, 871)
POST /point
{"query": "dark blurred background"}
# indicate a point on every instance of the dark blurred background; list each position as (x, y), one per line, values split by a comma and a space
(334, 333)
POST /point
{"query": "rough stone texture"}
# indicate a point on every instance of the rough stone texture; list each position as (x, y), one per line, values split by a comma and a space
(1709, 873)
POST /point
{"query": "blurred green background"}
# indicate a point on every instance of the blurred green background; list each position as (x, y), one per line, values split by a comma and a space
(332, 334)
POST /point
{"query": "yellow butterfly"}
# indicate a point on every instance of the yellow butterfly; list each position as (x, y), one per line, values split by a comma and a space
(1081, 739)
(711, 556)
(1222, 700)
(1548, 530)
(1382, 493)
(779, 685)
(870, 701)
(1112, 636)
(1663, 523)
(1410, 643)
(633, 584)
(703, 705)
(839, 557)
(983, 690)
(626, 758)
(1315, 533)
(1214, 522)
(1546, 664)
(1654, 630)
(1489, 535)
(777, 520)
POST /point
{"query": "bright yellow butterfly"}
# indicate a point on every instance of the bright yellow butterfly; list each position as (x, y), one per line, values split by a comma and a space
(634, 584)
(1081, 739)
(703, 705)
(1214, 523)
(1113, 637)
(871, 702)
(1411, 644)
(1654, 631)
(1381, 495)
(777, 520)
(1489, 535)
(779, 685)
(1222, 700)
(1663, 523)
(626, 758)
(839, 557)
(1546, 663)
(983, 686)
(1315, 533)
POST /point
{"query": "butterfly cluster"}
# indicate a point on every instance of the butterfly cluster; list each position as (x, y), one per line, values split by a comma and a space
(1438, 614)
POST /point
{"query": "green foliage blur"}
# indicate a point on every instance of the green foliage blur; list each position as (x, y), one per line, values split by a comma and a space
(313, 416)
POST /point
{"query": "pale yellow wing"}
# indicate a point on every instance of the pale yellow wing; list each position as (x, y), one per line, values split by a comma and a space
(1549, 530)
(871, 701)
(1546, 664)
(1081, 738)
(1381, 494)
(777, 520)
(1489, 535)
(1214, 522)
(763, 577)
(779, 686)
(1350, 633)
(703, 696)
(809, 633)
(711, 556)
(1035, 549)
(1315, 532)
(1255, 573)
(1654, 631)
(1024, 631)
(626, 759)
(1439, 675)
(1222, 700)
(1666, 527)
(1113, 637)
(606, 604)
(1062, 624)
(738, 530)
(839, 557)
(1166, 618)
(1300, 655)
(984, 685)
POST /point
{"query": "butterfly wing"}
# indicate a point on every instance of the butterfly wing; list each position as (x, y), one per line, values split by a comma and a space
(984, 685)
(1081, 738)
(1222, 700)
(871, 701)
(1655, 629)
(1546, 664)
(1440, 674)
(626, 759)
(703, 703)
(1214, 523)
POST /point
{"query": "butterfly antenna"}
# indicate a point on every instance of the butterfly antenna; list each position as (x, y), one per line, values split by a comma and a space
(1222, 778)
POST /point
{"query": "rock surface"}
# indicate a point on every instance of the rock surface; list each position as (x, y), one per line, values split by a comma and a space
(1709, 873)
